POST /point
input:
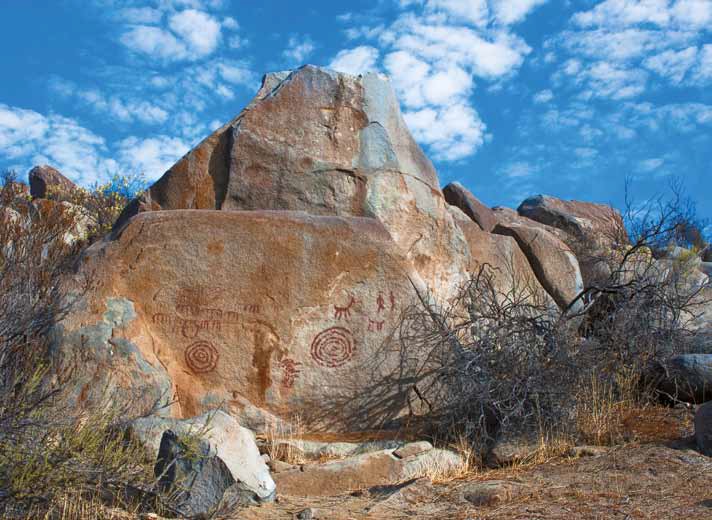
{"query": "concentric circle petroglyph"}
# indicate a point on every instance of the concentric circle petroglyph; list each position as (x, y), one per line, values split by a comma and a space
(201, 357)
(333, 347)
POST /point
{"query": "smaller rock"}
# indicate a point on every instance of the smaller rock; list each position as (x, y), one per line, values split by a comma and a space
(491, 492)
(306, 514)
(706, 267)
(703, 428)
(510, 449)
(687, 377)
(278, 466)
(588, 451)
(399, 497)
(266, 458)
(457, 195)
(47, 181)
(412, 449)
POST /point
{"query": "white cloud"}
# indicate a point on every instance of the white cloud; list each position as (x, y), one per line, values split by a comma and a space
(28, 138)
(433, 52)
(19, 130)
(199, 31)
(518, 170)
(190, 34)
(452, 132)
(355, 61)
(514, 11)
(672, 64)
(230, 23)
(473, 12)
(543, 97)
(298, 49)
(154, 41)
(152, 156)
(649, 165)
(624, 13)
(140, 15)
(629, 40)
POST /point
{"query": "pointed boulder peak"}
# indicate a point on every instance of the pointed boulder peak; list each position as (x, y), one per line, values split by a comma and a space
(459, 196)
(580, 219)
(308, 141)
(45, 180)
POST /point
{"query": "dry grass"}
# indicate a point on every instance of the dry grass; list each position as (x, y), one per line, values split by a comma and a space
(81, 506)
(281, 439)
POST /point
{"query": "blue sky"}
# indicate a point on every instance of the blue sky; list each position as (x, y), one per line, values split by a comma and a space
(510, 97)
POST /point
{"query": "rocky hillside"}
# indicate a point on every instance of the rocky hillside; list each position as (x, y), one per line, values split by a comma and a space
(267, 275)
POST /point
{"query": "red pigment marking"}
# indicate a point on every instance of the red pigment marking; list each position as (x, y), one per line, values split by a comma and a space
(333, 347)
(344, 312)
(201, 357)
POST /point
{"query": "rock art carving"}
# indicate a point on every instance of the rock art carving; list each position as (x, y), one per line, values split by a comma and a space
(333, 347)
(201, 357)
(345, 311)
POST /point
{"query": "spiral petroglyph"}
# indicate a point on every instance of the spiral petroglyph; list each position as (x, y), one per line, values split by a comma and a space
(333, 347)
(201, 357)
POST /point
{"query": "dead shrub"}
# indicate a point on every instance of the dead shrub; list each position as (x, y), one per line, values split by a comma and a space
(47, 450)
(498, 359)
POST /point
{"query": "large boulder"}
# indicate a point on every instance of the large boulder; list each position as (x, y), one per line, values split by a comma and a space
(267, 314)
(512, 274)
(553, 262)
(703, 428)
(47, 181)
(457, 195)
(686, 377)
(325, 143)
(580, 219)
(219, 435)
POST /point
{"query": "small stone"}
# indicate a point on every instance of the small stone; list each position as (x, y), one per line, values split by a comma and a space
(588, 451)
(490, 492)
(266, 458)
(413, 448)
(278, 466)
(306, 514)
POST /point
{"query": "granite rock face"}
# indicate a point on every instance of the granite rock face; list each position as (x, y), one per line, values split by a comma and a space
(580, 219)
(266, 272)
(457, 195)
(329, 144)
(553, 262)
(265, 314)
(45, 180)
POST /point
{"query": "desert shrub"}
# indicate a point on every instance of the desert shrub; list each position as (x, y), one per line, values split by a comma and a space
(499, 359)
(47, 450)
(101, 204)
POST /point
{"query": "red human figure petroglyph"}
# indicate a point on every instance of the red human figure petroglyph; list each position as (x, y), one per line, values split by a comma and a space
(393, 301)
(344, 312)
(381, 303)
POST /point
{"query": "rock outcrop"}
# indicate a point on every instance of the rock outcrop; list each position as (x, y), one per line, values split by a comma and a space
(457, 195)
(45, 180)
(366, 470)
(329, 144)
(579, 219)
(266, 272)
(268, 314)
(553, 262)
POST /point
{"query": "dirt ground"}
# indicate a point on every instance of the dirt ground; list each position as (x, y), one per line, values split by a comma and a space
(657, 474)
